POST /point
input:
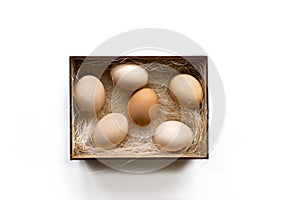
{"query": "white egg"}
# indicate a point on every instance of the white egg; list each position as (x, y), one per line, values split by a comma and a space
(110, 131)
(173, 136)
(89, 95)
(186, 90)
(129, 77)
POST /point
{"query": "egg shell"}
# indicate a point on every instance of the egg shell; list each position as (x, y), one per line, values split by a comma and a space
(89, 95)
(143, 106)
(129, 77)
(173, 136)
(186, 90)
(110, 131)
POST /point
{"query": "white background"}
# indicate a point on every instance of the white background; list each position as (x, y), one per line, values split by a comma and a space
(255, 46)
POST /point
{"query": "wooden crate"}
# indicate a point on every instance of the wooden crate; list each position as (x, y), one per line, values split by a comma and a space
(193, 65)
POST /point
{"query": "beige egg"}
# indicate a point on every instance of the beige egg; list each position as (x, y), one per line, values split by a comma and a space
(173, 136)
(186, 90)
(110, 131)
(143, 106)
(89, 95)
(129, 77)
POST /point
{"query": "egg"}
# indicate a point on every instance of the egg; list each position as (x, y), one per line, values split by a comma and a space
(186, 90)
(89, 95)
(129, 77)
(173, 136)
(143, 106)
(110, 131)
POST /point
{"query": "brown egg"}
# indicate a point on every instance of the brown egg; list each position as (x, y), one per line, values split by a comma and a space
(89, 95)
(143, 106)
(110, 131)
(186, 90)
(173, 136)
